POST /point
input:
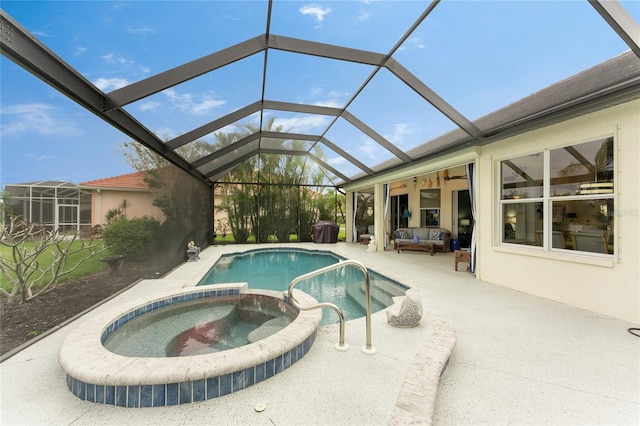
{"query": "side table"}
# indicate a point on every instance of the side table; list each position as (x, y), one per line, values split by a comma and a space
(462, 256)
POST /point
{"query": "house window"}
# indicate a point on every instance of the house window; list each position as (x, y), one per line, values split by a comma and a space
(429, 207)
(522, 199)
(561, 199)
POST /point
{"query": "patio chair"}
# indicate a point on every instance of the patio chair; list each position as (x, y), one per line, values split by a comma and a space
(364, 238)
(594, 243)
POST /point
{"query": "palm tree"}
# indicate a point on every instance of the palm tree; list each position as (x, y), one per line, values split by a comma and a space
(125, 203)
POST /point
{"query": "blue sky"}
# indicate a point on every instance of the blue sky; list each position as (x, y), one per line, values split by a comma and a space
(478, 55)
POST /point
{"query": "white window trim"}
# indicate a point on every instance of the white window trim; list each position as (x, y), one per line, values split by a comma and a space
(544, 251)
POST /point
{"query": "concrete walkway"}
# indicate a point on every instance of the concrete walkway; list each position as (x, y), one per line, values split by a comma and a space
(518, 359)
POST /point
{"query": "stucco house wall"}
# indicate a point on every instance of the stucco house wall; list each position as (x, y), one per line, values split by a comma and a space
(109, 194)
(609, 286)
(105, 199)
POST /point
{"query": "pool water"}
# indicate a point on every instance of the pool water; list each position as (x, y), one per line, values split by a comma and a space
(274, 269)
(199, 327)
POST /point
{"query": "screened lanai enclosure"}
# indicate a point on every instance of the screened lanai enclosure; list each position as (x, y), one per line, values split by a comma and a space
(53, 205)
(281, 107)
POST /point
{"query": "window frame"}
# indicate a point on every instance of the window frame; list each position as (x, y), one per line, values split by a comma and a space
(432, 211)
(549, 203)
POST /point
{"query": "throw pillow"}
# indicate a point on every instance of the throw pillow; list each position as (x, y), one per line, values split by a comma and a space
(402, 234)
(435, 235)
(416, 239)
(443, 235)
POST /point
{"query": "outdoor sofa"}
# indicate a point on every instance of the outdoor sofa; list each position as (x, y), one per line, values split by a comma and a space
(430, 238)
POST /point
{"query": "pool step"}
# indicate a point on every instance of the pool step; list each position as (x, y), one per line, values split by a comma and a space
(268, 328)
(380, 299)
(199, 339)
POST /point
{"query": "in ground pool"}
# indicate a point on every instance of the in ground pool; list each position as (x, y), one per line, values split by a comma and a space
(275, 268)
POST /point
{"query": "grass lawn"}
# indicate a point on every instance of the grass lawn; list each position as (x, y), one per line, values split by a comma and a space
(88, 267)
(342, 234)
(94, 264)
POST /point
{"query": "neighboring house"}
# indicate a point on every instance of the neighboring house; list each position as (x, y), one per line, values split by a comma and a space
(109, 193)
(54, 205)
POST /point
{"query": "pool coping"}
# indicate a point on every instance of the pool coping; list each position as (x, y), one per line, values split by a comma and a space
(416, 400)
(417, 396)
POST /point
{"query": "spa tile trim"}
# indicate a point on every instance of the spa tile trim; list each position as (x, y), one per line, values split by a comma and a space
(136, 396)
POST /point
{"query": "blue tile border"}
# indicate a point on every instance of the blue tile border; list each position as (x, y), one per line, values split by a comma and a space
(165, 394)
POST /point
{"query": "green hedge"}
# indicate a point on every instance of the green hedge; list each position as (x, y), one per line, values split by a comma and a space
(136, 239)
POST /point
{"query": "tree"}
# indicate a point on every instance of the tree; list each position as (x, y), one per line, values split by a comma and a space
(125, 203)
(264, 195)
(39, 258)
(239, 195)
(285, 195)
(113, 215)
(182, 198)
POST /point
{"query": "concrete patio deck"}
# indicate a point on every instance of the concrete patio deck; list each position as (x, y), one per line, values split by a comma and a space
(518, 359)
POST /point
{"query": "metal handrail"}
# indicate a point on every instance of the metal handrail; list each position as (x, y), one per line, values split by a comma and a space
(342, 346)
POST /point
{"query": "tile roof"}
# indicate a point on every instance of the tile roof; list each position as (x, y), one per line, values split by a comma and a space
(129, 181)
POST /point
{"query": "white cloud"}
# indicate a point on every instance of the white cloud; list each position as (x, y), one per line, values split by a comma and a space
(166, 133)
(336, 94)
(337, 161)
(44, 158)
(143, 29)
(187, 103)
(112, 58)
(118, 5)
(369, 149)
(80, 51)
(39, 118)
(149, 106)
(109, 84)
(332, 103)
(363, 16)
(206, 105)
(122, 65)
(316, 11)
(400, 131)
(301, 124)
(315, 91)
(333, 98)
(415, 42)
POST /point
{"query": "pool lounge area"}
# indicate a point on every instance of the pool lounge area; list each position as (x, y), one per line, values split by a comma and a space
(517, 359)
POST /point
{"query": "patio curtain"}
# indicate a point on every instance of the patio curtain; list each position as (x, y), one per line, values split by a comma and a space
(354, 234)
(470, 181)
(387, 198)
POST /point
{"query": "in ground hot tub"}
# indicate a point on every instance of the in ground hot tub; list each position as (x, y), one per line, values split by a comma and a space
(188, 371)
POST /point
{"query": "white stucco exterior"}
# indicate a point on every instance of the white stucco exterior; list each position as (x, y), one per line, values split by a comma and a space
(610, 286)
(601, 283)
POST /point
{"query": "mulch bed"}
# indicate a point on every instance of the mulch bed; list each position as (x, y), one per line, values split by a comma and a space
(20, 323)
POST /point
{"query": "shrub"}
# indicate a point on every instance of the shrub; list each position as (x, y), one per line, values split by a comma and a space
(134, 238)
